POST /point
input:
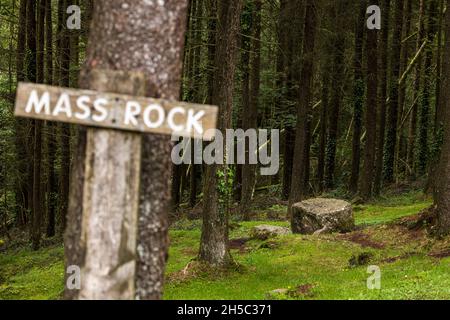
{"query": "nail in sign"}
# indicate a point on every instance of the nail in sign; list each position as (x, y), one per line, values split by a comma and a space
(115, 111)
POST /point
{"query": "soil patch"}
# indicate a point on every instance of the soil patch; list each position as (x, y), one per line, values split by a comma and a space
(362, 239)
(238, 244)
(441, 254)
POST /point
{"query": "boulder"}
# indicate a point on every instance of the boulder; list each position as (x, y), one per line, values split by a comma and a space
(320, 215)
(264, 232)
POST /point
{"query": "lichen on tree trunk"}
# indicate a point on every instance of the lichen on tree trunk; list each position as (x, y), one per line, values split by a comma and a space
(144, 36)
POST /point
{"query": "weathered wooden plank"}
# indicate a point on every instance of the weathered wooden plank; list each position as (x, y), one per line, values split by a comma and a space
(111, 200)
(115, 111)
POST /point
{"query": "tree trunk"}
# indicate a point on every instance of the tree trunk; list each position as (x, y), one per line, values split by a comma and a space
(392, 130)
(37, 146)
(147, 36)
(195, 169)
(323, 127)
(50, 126)
(31, 67)
(383, 97)
(293, 45)
(250, 116)
(336, 97)
(21, 190)
(212, 30)
(424, 120)
(304, 104)
(442, 192)
(400, 152)
(371, 114)
(64, 81)
(214, 240)
(414, 112)
(437, 128)
(176, 186)
(358, 97)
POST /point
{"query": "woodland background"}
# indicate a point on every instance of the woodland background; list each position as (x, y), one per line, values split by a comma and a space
(361, 112)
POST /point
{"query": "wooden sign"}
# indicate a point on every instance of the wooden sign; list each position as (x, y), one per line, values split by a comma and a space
(115, 111)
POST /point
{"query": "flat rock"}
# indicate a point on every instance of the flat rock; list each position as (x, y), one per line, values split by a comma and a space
(321, 215)
(264, 232)
(277, 293)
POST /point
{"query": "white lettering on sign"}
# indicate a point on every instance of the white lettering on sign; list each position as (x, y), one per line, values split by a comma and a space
(115, 111)
(38, 104)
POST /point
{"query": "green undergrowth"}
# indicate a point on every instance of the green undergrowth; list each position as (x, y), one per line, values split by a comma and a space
(412, 265)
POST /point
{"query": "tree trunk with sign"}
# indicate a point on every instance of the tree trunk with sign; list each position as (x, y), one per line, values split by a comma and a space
(145, 37)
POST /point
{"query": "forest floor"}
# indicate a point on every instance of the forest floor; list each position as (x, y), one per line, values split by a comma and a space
(412, 265)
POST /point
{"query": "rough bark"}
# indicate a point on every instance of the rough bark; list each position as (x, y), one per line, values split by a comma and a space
(50, 126)
(37, 146)
(195, 170)
(442, 190)
(383, 96)
(246, 29)
(21, 190)
(212, 29)
(304, 104)
(214, 240)
(414, 112)
(250, 115)
(323, 128)
(150, 39)
(370, 114)
(336, 97)
(425, 105)
(358, 97)
(392, 125)
(400, 152)
(31, 66)
(64, 81)
(293, 27)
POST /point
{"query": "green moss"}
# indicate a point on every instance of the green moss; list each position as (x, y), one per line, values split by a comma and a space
(318, 263)
(28, 274)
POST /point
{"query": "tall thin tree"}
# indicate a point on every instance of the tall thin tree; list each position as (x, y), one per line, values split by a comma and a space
(214, 239)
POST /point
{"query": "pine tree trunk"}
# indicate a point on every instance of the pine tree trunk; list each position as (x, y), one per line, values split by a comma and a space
(293, 43)
(383, 97)
(50, 127)
(212, 30)
(414, 112)
(442, 192)
(31, 66)
(214, 240)
(64, 81)
(370, 114)
(195, 169)
(246, 30)
(336, 97)
(37, 146)
(392, 123)
(400, 152)
(304, 105)
(250, 116)
(21, 190)
(424, 119)
(358, 97)
(323, 127)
